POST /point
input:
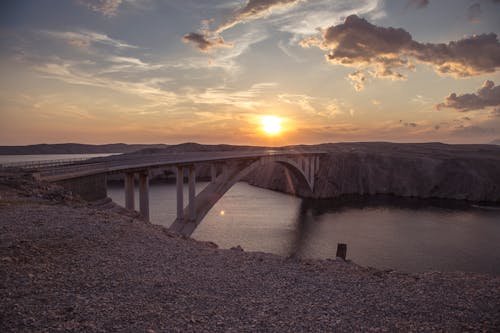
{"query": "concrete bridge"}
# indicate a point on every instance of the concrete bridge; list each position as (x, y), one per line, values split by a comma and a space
(88, 178)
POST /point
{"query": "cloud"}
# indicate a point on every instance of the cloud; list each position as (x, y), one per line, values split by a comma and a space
(360, 44)
(418, 3)
(303, 101)
(357, 79)
(407, 124)
(222, 95)
(474, 12)
(105, 7)
(356, 42)
(204, 43)
(304, 20)
(474, 130)
(84, 38)
(487, 96)
(475, 55)
(254, 9)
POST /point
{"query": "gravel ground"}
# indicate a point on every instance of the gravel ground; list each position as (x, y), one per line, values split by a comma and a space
(65, 266)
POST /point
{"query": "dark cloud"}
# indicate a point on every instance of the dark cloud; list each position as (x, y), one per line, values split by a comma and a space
(470, 56)
(203, 43)
(418, 3)
(105, 7)
(474, 12)
(406, 124)
(487, 96)
(358, 43)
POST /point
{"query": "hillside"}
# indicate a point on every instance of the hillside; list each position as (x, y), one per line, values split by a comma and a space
(75, 148)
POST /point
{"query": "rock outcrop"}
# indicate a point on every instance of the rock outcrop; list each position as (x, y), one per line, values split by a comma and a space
(430, 170)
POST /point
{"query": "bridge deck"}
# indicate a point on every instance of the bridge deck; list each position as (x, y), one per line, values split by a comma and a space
(131, 163)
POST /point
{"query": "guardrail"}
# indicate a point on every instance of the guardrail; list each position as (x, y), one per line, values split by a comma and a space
(42, 164)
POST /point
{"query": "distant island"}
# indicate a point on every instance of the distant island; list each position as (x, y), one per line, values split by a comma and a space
(75, 148)
(122, 148)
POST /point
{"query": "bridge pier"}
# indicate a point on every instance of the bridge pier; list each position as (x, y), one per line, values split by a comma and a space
(180, 192)
(192, 193)
(213, 172)
(144, 194)
(191, 190)
(129, 190)
(307, 168)
(310, 171)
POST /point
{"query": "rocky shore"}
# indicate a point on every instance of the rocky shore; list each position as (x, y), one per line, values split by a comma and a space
(66, 266)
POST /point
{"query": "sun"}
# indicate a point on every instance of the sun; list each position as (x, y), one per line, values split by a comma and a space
(271, 125)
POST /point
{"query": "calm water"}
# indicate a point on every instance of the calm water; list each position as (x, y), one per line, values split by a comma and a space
(407, 235)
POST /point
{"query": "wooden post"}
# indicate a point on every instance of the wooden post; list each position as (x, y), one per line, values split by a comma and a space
(341, 250)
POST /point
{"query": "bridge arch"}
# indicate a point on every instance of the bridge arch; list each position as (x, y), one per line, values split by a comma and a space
(302, 168)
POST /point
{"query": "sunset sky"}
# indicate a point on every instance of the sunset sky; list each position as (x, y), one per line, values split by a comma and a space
(171, 71)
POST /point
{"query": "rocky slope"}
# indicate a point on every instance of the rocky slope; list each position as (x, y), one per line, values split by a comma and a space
(430, 170)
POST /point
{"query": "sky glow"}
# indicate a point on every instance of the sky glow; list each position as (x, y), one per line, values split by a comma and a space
(168, 71)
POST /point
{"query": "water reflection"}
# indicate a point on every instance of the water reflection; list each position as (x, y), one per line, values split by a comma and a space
(383, 231)
(407, 234)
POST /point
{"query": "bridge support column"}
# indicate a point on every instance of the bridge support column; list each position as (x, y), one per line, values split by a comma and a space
(192, 193)
(225, 171)
(180, 192)
(312, 170)
(129, 191)
(213, 172)
(144, 194)
(313, 165)
(307, 167)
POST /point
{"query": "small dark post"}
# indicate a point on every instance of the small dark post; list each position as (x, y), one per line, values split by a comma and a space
(341, 250)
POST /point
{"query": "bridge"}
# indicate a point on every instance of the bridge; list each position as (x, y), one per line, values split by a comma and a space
(88, 178)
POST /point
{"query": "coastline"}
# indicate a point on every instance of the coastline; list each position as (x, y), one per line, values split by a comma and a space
(68, 266)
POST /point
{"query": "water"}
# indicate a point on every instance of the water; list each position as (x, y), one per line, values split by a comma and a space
(387, 233)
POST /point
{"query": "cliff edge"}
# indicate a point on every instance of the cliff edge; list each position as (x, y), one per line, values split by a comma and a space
(424, 170)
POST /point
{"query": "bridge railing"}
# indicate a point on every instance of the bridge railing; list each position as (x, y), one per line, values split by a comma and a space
(41, 164)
